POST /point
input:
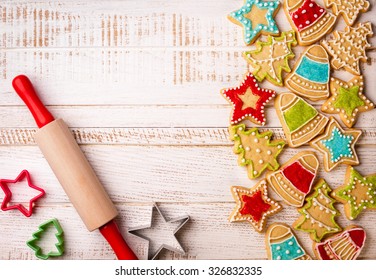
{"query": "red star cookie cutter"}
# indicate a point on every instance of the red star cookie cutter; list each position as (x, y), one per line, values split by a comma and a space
(8, 194)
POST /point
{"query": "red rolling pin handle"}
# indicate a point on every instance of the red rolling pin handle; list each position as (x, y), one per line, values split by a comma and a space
(42, 116)
(26, 91)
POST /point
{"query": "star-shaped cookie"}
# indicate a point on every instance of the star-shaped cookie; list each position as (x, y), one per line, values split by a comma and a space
(256, 17)
(357, 194)
(256, 150)
(248, 101)
(253, 205)
(337, 145)
(347, 100)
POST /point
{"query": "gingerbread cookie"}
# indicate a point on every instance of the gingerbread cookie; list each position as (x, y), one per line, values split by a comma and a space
(310, 21)
(300, 121)
(357, 194)
(349, 9)
(347, 100)
(271, 57)
(253, 205)
(337, 145)
(281, 244)
(257, 18)
(248, 101)
(318, 213)
(346, 245)
(310, 76)
(293, 181)
(349, 47)
(256, 150)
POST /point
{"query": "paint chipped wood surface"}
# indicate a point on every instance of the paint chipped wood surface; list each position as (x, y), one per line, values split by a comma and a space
(138, 82)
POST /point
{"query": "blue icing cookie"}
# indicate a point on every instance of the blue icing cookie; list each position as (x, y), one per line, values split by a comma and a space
(313, 70)
(339, 145)
(288, 249)
(251, 7)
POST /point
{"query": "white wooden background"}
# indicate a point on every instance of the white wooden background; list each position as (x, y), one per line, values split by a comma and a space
(138, 82)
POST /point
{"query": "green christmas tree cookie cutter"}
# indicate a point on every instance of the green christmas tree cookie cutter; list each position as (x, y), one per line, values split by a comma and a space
(32, 243)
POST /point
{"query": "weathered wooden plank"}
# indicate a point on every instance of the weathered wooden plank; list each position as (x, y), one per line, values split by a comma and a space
(203, 136)
(158, 173)
(125, 23)
(148, 116)
(129, 76)
(208, 235)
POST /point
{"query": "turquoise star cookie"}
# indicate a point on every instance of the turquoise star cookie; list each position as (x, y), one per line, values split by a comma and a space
(256, 17)
(337, 145)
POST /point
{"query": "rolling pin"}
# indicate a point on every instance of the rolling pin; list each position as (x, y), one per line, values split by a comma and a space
(73, 171)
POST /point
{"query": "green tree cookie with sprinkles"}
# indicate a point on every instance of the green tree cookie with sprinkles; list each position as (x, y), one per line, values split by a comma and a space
(357, 194)
(337, 145)
(257, 18)
(318, 213)
(256, 150)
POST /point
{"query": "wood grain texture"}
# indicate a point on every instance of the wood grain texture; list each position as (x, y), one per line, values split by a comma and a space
(138, 83)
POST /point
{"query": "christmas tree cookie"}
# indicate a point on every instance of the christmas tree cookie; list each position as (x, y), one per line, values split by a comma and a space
(281, 244)
(318, 213)
(337, 145)
(257, 18)
(349, 47)
(300, 121)
(349, 9)
(248, 101)
(310, 77)
(346, 245)
(347, 100)
(256, 150)
(357, 194)
(41, 234)
(310, 20)
(271, 57)
(253, 205)
(293, 181)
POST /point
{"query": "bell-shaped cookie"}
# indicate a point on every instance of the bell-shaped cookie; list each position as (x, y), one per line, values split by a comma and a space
(300, 121)
(310, 76)
(293, 181)
(343, 246)
(281, 244)
(310, 20)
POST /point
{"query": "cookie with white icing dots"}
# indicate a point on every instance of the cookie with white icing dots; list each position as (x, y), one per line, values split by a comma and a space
(257, 151)
(271, 57)
(282, 244)
(310, 20)
(357, 194)
(347, 100)
(349, 9)
(253, 205)
(348, 48)
(248, 101)
(346, 245)
(318, 214)
(300, 121)
(293, 181)
(337, 145)
(256, 17)
(310, 76)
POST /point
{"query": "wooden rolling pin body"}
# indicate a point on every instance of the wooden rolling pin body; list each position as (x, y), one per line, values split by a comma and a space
(75, 174)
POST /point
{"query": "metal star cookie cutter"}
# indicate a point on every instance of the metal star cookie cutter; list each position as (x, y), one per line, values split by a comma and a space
(32, 243)
(8, 194)
(153, 251)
